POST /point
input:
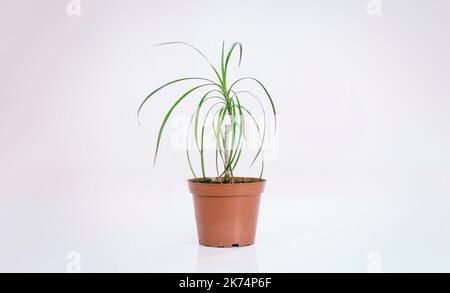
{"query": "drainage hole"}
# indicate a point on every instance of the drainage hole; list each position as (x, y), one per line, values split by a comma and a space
(235, 245)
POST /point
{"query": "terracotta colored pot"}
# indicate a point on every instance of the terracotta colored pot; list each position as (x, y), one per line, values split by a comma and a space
(226, 214)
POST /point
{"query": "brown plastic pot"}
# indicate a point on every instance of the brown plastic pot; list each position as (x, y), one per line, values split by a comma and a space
(227, 214)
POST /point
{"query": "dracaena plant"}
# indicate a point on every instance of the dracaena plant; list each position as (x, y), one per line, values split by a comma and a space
(222, 101)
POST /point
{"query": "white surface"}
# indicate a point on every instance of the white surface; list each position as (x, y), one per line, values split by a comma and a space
(121, 229)
(363, 166)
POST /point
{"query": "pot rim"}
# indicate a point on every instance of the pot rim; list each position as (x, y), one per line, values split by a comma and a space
(257, 181)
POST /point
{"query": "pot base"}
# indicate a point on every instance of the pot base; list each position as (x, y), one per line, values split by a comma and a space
(227, 246)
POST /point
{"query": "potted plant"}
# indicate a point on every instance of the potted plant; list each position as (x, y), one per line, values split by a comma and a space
(226, 206)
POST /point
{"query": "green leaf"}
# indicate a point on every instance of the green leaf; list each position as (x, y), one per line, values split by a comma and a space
(241, 133)
(222, 63)
(257, 125)
(219, 137)
(230, 52)
(187, 145)
(259, 133)
(229, 105)
(165, 85)
(202, 159)
(218, 150)
(197, 50)
(265, 90)
(197, 113)
(161, 129)
(235, 152)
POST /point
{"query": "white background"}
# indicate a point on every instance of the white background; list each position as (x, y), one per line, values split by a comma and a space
(361, 182)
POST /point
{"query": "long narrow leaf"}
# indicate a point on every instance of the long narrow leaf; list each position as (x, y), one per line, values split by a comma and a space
(161, 129)
(197, 50)
(241, 133)
(197, 113)
(265, 90)
(202, 159)
(264, 116)
(165, 85)
(229, 55)
(187, 145)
